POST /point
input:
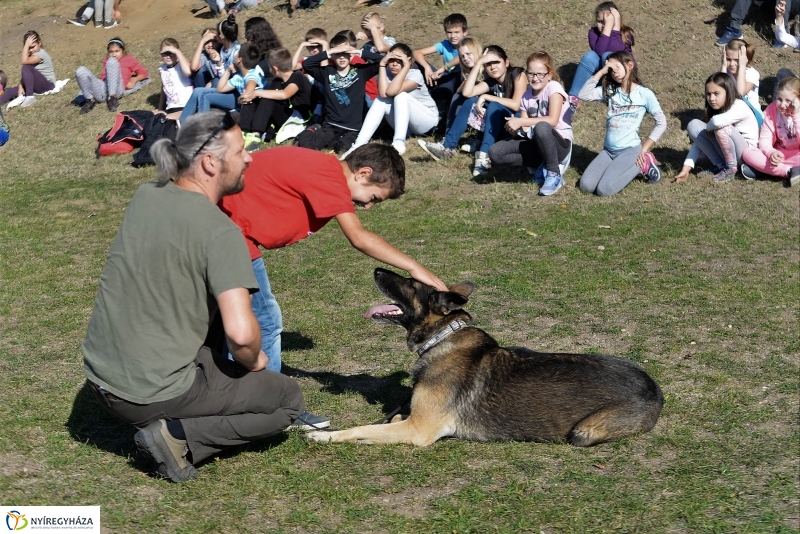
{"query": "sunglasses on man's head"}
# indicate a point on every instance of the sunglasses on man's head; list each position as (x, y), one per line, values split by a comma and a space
(228, 121)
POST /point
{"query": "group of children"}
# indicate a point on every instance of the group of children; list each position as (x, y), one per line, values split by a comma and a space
(334, 95)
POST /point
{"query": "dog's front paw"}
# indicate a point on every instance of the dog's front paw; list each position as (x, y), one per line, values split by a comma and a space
(319, 436)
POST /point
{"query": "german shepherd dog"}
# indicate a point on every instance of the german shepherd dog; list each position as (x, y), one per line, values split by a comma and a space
(467, 386)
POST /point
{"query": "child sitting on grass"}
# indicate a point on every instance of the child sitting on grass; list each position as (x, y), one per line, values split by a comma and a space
(288, 95)
(122, 75)
(444, 80)
(344, 96)
(38, 75)
(176, 84)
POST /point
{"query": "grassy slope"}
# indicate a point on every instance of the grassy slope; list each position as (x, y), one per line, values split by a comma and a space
(697, 283)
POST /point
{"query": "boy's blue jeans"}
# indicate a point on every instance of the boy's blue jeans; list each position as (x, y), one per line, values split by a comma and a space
(588, 65)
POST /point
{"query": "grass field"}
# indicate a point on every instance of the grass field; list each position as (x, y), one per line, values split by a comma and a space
(697, 283)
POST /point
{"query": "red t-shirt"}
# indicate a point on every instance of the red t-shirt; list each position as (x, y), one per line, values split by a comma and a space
(289, 193)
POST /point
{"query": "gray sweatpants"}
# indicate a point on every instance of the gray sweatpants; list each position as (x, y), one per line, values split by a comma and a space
(610, 172)
(93, 87)
(226, 405)
(708, 143)
(102, 7)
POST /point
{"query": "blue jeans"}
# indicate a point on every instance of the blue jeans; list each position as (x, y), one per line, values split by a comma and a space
(459, 123)
(494, 125)
(268, 313)
(588, 65)
(204, 98)
(456, 103)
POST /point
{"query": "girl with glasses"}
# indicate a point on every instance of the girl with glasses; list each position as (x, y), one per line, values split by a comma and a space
(542, 134)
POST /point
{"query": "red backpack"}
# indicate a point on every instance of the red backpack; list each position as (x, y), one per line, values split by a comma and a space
(122, 138)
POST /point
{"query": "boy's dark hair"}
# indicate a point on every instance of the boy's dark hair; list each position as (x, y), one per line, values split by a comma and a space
(281, 58)
(339, 40)
(388, 167)
(229, 29)
(250, 55)
(316, 33)
(455, 19)
(726, 81)
(259, 32)
(351, 37)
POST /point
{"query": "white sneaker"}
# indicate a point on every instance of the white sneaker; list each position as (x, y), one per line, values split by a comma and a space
(16, 102)
(28, 101)
(400, 146)
(482, 164)
(60, 84)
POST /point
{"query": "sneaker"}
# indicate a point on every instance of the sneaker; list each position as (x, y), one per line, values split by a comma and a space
(253, 142)
(711, 171)
(747, 172)
(729, 35)
(794, 176)
(387, 3)
(725, 175)
(169, 453)
(309, 421)
(79, 21)
(436, 150)
(472, 145)
(16, 102)
(651, 172)
(537, 174)
(482, 165)
(87, 106)
(98, 24)
(112, 103)
(28, 101)
(111, 24)
(552, 183)
(776, 44)
(400, 146)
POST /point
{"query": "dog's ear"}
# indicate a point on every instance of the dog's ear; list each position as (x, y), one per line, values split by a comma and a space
(444, 302)
(464, 289)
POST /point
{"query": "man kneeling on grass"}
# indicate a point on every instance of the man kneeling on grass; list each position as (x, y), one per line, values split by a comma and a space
(293, 192)
(176, 261)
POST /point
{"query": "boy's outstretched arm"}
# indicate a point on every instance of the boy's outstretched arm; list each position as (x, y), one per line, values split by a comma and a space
(376, 247)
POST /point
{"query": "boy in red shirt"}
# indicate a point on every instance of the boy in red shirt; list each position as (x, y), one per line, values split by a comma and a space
(283, 203)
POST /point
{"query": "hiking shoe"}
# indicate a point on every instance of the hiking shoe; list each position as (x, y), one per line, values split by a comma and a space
(309, 421)
(169, 453)
(552, 183)
(471, 146)
(112, 103)
(794, 176)
(87, 107)
(253, 142)
(651, 172)
(16, 102)
(725, 175)
(436, 150)
(537, 174)
(729, 35)
(482, 165)
(79, 21)
(110, 24)
(747, 172)
(28, 101)
(400, 146)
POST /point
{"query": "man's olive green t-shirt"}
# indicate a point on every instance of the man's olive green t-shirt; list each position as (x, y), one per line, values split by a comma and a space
(173, 255)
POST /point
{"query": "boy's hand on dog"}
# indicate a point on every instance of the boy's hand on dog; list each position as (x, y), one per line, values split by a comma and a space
(421, 274)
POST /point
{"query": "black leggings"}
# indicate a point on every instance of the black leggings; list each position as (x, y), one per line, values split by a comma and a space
(547, 146)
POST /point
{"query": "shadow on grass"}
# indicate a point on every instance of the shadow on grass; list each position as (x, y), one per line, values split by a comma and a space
(387, 391)
(761, 17)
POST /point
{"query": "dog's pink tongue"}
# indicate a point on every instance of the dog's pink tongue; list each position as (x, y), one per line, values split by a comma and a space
(383, 308)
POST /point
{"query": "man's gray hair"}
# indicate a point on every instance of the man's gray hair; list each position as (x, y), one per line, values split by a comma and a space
(174, 158)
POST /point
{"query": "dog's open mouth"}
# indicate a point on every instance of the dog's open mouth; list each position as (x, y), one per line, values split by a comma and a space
(383, 311)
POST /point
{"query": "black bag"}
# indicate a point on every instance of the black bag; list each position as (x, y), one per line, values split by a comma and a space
(156, 127)
(126, 134)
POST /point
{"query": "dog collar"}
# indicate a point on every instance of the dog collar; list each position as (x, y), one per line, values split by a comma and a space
(449, 329)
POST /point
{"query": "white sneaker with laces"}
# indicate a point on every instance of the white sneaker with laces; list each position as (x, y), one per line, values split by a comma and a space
(16, 102)
(28, 101)
(400, 146)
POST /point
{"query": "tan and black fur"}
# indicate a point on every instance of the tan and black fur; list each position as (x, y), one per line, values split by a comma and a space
(467, 386)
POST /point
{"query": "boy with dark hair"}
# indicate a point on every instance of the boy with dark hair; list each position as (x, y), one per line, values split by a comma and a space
(285, 202)
(243, 74)
(288, 95)
(443, 82)
(344, 84)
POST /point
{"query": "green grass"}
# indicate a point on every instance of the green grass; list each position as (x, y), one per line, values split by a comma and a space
(698, 284)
